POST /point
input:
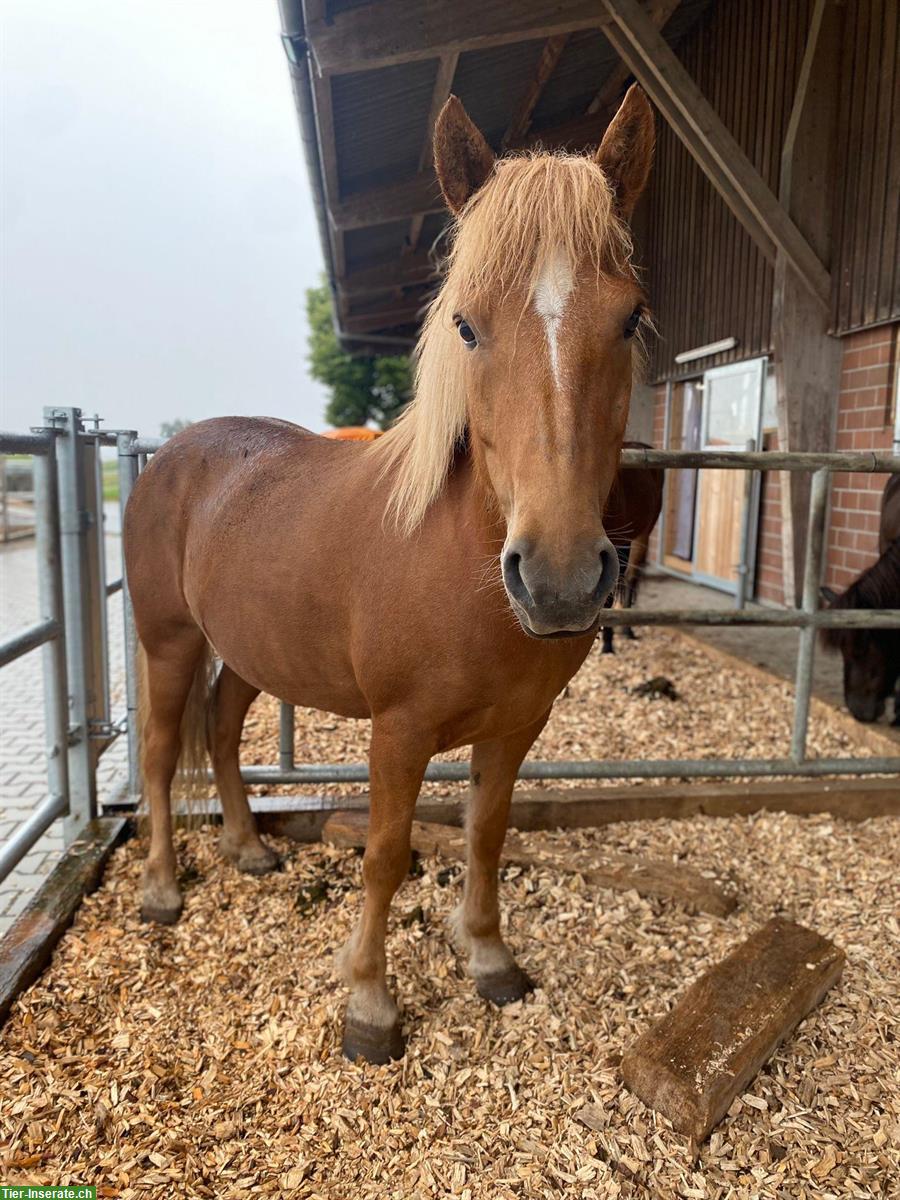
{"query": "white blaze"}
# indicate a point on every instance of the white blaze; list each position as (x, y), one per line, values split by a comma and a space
(551, 295)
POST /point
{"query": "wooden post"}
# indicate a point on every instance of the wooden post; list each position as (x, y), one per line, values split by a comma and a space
(693, 1062)
(807, 359)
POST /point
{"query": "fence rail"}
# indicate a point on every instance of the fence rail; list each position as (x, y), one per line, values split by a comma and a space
(72, 630)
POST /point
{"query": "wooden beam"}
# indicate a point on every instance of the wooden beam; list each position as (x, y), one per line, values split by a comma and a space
(324, 121)
(28, 943)
(807, 358)
(382, 318)
(620, 872)
(421, 193)
(546, 65)
(443, 84)
(655, 65)
(659, 12)
(692, 1063)
(399, 272)
(395, 31)
(375, 206)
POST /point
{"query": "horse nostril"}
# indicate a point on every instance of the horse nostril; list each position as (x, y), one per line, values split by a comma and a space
(609, 573)
(512, 577)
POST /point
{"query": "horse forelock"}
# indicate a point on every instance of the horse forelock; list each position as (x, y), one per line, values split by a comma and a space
(537, 216)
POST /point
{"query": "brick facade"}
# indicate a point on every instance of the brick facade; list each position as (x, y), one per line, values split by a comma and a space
(865, 422)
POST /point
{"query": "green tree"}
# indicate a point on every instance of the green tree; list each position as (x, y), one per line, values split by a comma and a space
(362, 389)
(169, 428)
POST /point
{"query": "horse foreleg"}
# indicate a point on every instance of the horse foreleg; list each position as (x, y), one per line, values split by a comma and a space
(240, 842)
(476, 923)
(170, 673)
(633, 572)
(397, 764)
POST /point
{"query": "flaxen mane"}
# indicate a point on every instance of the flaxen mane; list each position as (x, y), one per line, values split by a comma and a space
(530, 206)
(877, 587)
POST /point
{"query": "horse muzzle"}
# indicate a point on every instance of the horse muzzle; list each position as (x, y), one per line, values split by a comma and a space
(554, 603)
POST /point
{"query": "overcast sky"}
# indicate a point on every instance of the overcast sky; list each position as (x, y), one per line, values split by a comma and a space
(157, 225)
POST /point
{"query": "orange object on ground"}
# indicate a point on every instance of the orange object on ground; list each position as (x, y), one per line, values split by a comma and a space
(353, 433)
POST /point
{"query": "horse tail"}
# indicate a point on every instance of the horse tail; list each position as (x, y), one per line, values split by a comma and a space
(190, 784)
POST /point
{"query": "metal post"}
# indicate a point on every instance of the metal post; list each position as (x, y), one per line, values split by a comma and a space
(128, 473)
(667, 434)
(286, 738)
(812, 577)
(53, 653)
(743, 568)
(73, 526)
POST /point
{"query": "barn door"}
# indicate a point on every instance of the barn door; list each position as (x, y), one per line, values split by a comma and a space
(732, 410)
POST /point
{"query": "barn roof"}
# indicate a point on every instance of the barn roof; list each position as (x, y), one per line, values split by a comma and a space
(369, 77)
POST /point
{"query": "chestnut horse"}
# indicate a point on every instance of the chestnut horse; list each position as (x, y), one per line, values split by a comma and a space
(445, 580)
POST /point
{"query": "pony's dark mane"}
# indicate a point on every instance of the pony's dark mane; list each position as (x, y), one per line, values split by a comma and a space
(877, 587)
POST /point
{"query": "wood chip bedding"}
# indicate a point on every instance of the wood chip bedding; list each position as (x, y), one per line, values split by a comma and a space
(204, 1060)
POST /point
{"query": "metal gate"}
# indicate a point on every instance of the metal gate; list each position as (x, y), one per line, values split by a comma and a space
(72, 631)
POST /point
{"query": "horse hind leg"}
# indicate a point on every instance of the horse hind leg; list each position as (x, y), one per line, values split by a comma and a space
(240, 842)
(171, 670)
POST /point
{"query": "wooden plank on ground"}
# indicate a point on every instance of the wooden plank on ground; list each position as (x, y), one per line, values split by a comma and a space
(27, 945)
(621, 872)
(692, 1063)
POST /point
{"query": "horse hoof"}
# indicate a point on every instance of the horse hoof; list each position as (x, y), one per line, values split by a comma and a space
(607, 650)
(375, 1044)
(159, 914)
(506, 987)
(254, 859)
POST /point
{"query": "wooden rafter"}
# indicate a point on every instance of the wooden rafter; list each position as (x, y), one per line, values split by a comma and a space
(655, 65)
(399, 272)
(383, 318)
(546, 65)
(395, 31)
(321, 91)
(442, 85)
(659, 12)
(421, 193)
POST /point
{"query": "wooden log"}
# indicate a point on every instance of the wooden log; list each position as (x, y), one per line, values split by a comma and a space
(692, 1063)
(621, 872)
(27, 945)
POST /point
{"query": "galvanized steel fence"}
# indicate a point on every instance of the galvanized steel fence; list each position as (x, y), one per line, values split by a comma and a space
(72, 631)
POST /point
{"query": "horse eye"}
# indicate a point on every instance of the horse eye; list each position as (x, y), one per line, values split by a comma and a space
(467, 334)
(632, 323)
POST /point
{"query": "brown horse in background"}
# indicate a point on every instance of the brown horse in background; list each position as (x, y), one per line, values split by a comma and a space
(872, 656)
(445, 580)
(632, 511)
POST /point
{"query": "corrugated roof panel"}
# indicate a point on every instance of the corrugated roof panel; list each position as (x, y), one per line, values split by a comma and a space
(380, 119)
(374, 244)
(580, 73)
(491, 82)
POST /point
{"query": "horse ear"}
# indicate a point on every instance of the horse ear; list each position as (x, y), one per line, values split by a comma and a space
(829, 595)
(462, 158)
(626, 152)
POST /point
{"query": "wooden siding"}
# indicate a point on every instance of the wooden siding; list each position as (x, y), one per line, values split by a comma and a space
(706, 276)
(867, 272)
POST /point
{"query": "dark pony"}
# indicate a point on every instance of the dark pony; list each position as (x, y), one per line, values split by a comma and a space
(871, 656)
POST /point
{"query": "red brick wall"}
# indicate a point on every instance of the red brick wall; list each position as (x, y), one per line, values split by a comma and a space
(865, 422)
(769, 547)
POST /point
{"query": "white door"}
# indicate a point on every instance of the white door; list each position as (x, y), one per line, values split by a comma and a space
(732, 413)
